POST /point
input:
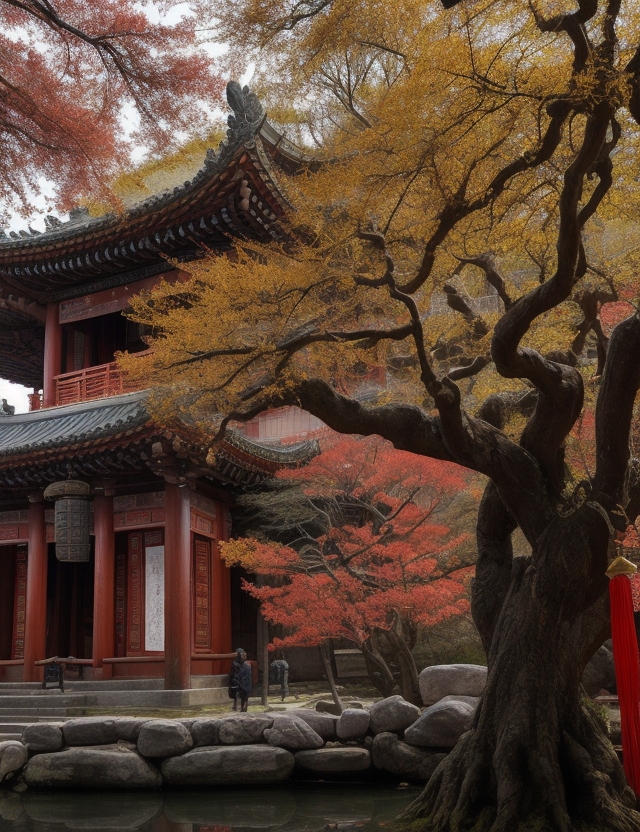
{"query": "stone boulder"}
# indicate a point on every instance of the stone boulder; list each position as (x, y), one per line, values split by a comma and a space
(128, 727)
(334, 760)
(451, 679)
(323, 724)
(600, 672)
(403, 760)
(164, 738)
(205, 731)
(100, 730)
(353, 724)
(42, 737)
(236, 765)
(324, 707)
(189, 721)
(442, 725)
(469, 700)
(242, 730)
(90, 730)
(116, 766)
(392, 714)
(292, 733)
(13, 758)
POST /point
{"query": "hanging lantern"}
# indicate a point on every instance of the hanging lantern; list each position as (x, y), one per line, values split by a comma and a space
(72, 519)
(625, 658)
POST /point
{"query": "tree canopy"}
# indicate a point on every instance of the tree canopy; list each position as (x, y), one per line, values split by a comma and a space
(482, 161)
(67, 68)
(357, 545)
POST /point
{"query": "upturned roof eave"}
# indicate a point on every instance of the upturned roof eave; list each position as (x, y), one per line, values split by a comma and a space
(79, 428)
(77, 251)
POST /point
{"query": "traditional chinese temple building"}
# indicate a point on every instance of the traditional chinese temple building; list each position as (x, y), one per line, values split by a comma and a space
(110, 521)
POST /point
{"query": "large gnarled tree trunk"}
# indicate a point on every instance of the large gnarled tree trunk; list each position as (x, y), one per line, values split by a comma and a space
(537, 750)
(537, 753)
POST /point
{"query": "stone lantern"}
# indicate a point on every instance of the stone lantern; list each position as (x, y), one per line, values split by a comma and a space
(72, 519)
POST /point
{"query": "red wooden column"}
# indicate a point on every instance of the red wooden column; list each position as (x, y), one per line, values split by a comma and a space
(35, 630)
(103, 585)
(225, 584)
(177, 588)
(221, 579)
(52, 354)
(222, 586)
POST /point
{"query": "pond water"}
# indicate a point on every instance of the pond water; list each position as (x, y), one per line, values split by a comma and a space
(296, 808)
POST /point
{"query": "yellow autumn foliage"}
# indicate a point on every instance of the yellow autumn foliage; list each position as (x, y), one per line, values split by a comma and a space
(415, 112)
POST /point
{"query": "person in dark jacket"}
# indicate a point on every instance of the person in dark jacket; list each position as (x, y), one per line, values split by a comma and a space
(279, 675)
(240, 680)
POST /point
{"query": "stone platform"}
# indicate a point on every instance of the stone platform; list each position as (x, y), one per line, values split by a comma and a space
(26, 703)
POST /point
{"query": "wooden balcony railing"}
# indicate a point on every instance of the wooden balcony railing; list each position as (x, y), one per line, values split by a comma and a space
(92, 383)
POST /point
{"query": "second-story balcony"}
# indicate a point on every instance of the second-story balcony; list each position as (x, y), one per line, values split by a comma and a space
(92, 383)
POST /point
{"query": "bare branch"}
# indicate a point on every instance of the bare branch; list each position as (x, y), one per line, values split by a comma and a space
(486, 262)
(468, 370)
(454, 212)
(458, 303)
(560, 386)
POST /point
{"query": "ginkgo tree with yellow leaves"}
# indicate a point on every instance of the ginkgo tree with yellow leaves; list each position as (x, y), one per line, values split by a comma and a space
(486, 150)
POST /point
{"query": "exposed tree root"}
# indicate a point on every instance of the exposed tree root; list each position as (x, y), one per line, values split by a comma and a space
(568, 781)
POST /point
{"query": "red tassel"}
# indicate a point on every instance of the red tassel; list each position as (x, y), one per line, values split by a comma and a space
(625, 656)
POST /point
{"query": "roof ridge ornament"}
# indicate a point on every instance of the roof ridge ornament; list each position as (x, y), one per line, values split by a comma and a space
(243, 124)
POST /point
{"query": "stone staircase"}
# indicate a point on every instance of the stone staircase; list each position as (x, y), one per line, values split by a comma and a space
(25, 703)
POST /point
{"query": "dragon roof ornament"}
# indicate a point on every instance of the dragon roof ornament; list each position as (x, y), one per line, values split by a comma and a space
(242, 125)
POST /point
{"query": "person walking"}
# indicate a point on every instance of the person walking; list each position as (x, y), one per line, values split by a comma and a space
(279, 675)
(240, 680)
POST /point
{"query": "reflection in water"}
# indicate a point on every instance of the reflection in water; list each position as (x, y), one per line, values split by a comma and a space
(298, 808)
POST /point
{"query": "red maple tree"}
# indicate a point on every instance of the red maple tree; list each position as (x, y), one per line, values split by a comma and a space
(66, 70)
(368, 558)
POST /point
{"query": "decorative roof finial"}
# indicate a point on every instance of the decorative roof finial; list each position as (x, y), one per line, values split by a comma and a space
(243, 124)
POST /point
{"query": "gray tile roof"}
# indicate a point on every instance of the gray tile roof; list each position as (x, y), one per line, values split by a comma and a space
(207, 211)
(71, 424)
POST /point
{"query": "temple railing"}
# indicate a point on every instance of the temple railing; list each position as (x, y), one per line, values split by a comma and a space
(92, 383)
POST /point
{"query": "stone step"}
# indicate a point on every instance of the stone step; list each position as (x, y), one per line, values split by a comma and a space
(13, 727)
(9, 719)
(28, 703)
(220, 681)
(36, 689)
(80, 685)
(8, 736)
(8, 688)
(135, 700)
(37, 713)
(59, 701)
(18, 724)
